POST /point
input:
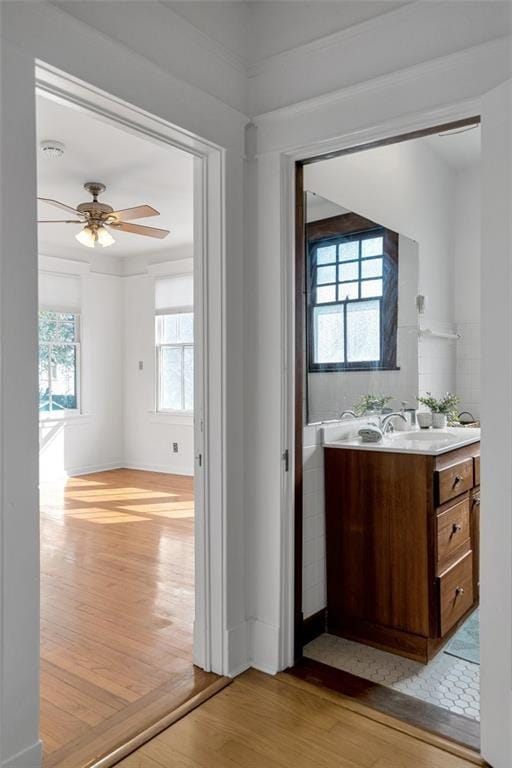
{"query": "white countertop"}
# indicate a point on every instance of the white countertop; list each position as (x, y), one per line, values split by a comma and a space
(430, 442)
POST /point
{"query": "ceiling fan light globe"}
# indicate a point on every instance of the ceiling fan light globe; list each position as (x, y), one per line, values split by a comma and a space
(86, 237)
(104, 237)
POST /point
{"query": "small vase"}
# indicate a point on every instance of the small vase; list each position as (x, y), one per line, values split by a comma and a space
(439, 420)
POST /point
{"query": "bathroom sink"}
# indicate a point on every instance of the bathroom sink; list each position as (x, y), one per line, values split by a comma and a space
(428, 441)
(430, 436)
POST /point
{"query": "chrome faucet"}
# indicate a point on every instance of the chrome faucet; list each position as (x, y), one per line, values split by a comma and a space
(350, 414)
(385, 423)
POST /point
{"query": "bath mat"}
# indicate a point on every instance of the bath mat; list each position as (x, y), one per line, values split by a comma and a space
(465, 644)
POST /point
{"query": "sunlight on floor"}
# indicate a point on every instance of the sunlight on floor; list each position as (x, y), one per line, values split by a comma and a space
(99, 515)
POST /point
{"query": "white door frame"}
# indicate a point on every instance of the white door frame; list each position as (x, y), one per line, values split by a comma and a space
(403, 125)
(209, 257)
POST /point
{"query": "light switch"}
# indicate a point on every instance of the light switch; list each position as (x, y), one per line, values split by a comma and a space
(141, 365)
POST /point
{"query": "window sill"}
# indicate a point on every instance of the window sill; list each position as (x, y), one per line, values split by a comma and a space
(186, 418)
(367, 369)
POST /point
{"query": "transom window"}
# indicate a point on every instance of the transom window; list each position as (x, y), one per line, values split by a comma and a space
(175, 361)
(59, 361)
(352, 300)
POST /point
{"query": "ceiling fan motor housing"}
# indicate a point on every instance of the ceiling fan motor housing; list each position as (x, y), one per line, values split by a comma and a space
(94, 209)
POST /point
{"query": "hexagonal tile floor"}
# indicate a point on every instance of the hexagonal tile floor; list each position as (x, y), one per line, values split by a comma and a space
(446, 681)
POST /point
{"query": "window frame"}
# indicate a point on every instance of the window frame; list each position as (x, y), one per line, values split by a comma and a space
(330, 231)
(158, 365)
(77, 344)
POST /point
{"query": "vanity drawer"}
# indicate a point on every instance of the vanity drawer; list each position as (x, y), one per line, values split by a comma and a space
(453, 533)
(454, 480)
(476, 460)
(455, 592)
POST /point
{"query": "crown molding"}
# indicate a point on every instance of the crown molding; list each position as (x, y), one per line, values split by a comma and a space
(474, 56)
(336, 39)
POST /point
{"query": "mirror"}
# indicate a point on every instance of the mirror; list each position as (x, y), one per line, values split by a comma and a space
(361, 320)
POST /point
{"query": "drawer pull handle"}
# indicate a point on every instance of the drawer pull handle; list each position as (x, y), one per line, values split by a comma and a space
(458, 479)
(459, 591)
(456, 527)
(476, 501)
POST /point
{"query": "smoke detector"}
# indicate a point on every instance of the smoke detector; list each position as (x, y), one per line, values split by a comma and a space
(52, 149)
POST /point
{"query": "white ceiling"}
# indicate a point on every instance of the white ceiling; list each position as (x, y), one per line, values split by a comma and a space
(135, 170)
(460, 148)
(256, 29)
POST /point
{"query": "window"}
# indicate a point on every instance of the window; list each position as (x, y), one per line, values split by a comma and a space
(175, 361)
(59, 360)
(352, 297)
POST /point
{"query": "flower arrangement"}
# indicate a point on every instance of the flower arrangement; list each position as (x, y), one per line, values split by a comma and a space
(447, 404)
(371, 403)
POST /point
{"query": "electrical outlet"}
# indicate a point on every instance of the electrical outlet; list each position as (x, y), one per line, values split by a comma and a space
(141, 365)
(175, 447)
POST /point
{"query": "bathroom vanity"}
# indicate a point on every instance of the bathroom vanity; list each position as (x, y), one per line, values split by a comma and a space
(402, 522)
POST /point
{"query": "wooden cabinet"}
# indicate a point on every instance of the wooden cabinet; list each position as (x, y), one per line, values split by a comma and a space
(402, 546)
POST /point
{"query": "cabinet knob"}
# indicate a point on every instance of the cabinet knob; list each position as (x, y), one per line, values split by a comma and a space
(476, 501)
(458, 479)
(459, 591)
(456, 527)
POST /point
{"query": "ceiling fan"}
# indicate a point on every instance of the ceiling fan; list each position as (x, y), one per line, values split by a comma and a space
(95, 217)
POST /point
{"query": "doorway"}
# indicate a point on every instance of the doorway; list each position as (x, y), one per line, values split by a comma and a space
(124, 641)
(401, 355)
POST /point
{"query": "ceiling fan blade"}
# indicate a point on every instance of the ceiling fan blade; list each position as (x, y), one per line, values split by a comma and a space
(60, 221)
(139, 229)
(139, 212)
(56, 204)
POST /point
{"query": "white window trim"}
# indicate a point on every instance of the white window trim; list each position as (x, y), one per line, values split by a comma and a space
(168, 412)
(67, 413)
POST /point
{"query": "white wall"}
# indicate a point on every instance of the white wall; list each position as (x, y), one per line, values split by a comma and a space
(148, 435)
(466, 289)
(33, 31)
(118, 425)
(92, 440)
(259, 568)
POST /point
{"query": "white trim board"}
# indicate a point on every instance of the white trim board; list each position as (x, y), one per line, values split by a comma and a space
(162, 468)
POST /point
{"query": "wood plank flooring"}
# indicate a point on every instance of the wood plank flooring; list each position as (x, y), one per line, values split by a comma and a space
(282, 722)
(117, 609)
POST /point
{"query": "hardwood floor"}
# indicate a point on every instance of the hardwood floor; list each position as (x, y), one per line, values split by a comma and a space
(281, 722)
(117, 609)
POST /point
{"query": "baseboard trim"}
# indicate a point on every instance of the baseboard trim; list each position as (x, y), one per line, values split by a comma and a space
(87, 470)
(314, 626)
(31, 757)
(264, 646)
(237, 649)
(163, 468)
